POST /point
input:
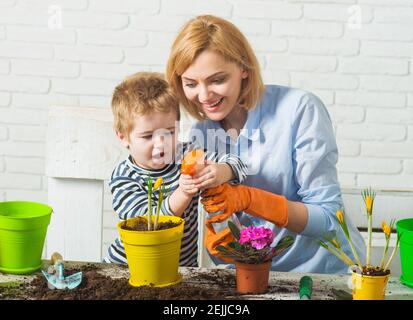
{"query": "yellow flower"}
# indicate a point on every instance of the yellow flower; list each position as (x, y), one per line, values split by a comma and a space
(369, 204)
(340, 216)
(386, 228)
(158, 183)
(336, 244)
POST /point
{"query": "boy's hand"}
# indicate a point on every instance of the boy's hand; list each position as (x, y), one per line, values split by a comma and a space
(187, 185)
(212, 175)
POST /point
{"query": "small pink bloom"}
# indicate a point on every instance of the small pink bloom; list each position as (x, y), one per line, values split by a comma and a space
(243, 239)
(259, 244)
(257, 237)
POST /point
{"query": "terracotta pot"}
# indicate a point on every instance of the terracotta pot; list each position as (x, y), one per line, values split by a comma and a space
(252, 278)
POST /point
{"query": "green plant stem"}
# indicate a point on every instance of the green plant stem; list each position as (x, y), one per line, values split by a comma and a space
(149, 211)
(341, 255)
(158, 209)
(155, 225)
(384, 253)
(356, 256)
(369, 231)
(392, 255)
(345, 256)
(347, 235)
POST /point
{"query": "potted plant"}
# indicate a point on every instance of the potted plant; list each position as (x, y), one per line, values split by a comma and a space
(252, 253)
(153, 243)
(369, 281)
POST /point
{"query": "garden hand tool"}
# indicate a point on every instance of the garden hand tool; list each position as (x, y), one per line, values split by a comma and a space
(256, 202)
(306, 288)
(55, 275)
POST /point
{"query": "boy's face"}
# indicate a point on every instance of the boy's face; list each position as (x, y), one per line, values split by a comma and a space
(153, 139)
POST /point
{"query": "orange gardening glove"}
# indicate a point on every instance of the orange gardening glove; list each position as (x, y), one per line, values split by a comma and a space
(212, 240)
(256, 202)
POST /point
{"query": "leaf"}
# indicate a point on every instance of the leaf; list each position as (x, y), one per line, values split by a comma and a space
(323, 244)
(149, 184)
(284, 244)
(235, 245)
(225, 252)
(166, 190)
(234, 230)
(221, 248)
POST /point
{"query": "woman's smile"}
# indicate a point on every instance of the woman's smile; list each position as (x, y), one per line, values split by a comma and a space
(213, 107)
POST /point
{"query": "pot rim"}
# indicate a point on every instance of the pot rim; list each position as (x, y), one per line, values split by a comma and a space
(368, 276)
(178, 219)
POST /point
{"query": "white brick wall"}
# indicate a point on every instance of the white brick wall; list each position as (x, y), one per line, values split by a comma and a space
(362, 70)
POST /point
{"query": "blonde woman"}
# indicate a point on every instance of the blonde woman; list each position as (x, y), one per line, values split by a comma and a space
(284, 135)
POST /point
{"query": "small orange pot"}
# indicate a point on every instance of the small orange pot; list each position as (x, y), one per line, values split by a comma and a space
(252, 278)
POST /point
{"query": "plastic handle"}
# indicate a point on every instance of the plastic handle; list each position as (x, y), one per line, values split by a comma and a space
(306, 287)
(56, 256)
(60, 271)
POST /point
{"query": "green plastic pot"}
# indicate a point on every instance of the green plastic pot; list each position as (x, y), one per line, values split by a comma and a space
(23, 228)
(405, 231)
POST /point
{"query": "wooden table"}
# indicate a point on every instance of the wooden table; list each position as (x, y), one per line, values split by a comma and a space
(283, 285)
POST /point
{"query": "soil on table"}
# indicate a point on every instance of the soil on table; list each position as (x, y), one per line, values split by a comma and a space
(97, 286)
(141, 224)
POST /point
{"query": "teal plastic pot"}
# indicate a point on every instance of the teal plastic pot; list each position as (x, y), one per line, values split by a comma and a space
(405, 231)
(23, 228)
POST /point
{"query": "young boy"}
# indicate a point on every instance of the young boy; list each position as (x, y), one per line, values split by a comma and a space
(146, 114)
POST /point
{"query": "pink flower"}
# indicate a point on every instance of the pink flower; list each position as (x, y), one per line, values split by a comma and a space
(257, 237)
(259, 244)
(245, 235)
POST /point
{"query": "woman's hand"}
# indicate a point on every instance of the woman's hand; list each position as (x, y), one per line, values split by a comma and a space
(212, 175)
(225, 198)
(256, 202)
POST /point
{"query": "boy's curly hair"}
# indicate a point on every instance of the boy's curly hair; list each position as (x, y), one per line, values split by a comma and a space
(139, 94)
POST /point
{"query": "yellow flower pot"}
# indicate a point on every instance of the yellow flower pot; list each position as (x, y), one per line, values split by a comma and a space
(369, 287)
(153, 256)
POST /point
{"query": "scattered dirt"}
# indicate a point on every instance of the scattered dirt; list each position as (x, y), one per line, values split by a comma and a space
(141, 224)
(285, 287)
(97, 286)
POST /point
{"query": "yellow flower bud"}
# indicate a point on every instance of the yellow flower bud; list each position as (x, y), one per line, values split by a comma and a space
(369, 204)
(340, 216)
(158, 183)
(336, 244)
(386, 228)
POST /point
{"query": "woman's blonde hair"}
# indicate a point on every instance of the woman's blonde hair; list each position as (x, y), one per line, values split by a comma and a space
(213, 33)
(139, 94)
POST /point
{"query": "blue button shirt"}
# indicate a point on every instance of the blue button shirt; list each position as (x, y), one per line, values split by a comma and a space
(289, 147)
